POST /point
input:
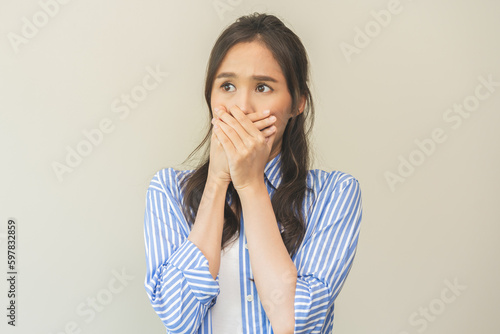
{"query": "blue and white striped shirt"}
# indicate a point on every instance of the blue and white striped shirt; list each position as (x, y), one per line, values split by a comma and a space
(182, 290)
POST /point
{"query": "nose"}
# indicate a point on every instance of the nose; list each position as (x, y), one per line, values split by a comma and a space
(244, 101)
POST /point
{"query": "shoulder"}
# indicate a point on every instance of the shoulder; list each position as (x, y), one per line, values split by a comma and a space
(168, 181)
(337, 198)
(335, 181)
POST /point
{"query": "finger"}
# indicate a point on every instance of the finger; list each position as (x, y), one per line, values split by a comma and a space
(223, 140)
(268, 131)
(266, 122)
(217, 110)
(227, 117)
(214, 138)
(235, 130)
(258, 115)
(244, 122)
(228, 137)
(261, 119)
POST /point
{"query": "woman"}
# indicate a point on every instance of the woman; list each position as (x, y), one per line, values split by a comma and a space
(252, 241)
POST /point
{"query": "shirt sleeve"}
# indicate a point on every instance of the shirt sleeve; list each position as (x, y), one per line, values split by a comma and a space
(178, 282)
(324, 259)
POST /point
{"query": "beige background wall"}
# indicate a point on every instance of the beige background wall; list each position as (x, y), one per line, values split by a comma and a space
(387, 103)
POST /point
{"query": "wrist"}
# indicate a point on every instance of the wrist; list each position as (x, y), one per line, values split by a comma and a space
(252, 189)
(216, 184)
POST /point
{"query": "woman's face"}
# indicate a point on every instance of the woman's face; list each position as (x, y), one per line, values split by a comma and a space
(250, 78)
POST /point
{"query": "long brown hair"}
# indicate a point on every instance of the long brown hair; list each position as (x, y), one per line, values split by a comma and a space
(287, 201)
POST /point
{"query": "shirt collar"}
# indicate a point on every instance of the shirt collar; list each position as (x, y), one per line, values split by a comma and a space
(272, 171)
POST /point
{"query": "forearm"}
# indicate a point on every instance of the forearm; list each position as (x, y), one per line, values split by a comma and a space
(206, 232)
(275, 274)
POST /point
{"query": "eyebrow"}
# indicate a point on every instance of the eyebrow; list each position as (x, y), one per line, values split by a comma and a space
(255, 77)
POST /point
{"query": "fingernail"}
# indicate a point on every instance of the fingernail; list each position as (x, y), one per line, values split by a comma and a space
(272, 118)
(214, 122)
(266, 112)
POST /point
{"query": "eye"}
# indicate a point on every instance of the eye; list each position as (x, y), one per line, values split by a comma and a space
(225, 85)
(263, 85)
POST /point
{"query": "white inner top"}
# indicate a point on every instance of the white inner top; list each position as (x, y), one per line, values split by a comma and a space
(226, 313)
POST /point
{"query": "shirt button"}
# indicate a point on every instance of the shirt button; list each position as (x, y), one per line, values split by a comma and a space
(250, 298)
